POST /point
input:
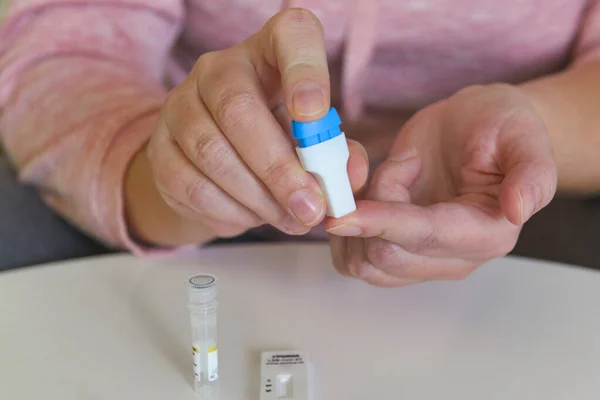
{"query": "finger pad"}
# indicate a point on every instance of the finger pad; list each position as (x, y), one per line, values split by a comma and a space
(358, 166)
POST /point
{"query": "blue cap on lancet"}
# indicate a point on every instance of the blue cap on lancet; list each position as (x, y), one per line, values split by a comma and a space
(310, 133)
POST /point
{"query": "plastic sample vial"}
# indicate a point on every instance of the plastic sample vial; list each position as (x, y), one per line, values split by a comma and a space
(323, 151)
(202, 298)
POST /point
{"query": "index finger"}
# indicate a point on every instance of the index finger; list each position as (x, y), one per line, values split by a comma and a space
(234, 98)
(239, 86)
(441, 230)
(292, 45)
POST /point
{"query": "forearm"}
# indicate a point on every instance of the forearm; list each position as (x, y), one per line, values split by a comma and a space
(150, 219)
(77, 155)
(80, 87)
(568, 103)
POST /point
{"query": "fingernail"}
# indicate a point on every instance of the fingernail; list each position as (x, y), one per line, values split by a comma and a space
(345, 230)
(308, 206)
(308, 99)
(405, 155)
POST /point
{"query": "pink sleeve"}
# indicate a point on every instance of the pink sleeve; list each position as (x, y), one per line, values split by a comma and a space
(587, 46)
(80, 90)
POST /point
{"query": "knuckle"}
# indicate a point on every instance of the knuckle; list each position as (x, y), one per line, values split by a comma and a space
(178, 103)
(216, 67)
(382, 253)
(178, 110)
(206, 62)
(277, 173)
(235, 106)
(305, 65)
(212, 154)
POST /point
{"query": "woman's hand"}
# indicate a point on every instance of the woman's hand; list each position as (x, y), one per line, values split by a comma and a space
(220, 157)
(461, 179)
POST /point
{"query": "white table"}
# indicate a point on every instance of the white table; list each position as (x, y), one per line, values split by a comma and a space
(118, 328)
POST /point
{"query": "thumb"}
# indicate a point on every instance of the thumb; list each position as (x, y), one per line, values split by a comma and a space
(292, 45)
(394, 178)
(531, 174)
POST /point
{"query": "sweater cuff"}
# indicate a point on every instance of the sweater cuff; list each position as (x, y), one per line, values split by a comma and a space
(110, 200)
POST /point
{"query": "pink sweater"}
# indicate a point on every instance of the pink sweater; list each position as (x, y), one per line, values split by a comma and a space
(81, 81)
